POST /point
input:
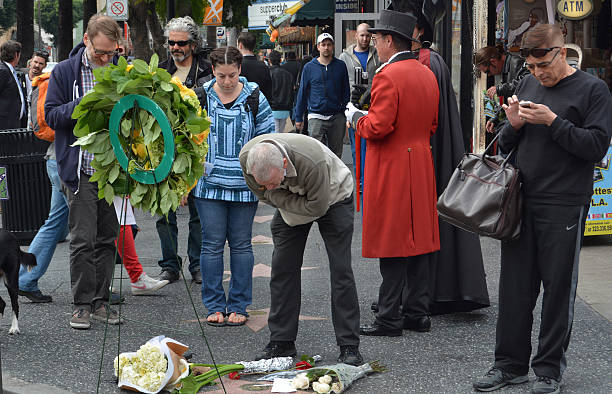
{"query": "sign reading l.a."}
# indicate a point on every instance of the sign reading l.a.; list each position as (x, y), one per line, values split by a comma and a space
(117, 9)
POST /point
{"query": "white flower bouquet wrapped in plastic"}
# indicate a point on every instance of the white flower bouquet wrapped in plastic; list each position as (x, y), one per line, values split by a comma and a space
(333, 378)
(157, 365)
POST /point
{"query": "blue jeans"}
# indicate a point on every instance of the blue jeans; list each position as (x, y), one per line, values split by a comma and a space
(168, 238)
(53, 230)
(233, 221)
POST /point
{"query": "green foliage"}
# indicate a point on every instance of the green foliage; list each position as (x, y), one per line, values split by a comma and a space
(47, 15)
(8, 14)
(239, 13)
(140, 134)
(197, 9)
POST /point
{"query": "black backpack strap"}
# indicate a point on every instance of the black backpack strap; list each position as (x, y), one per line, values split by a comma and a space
(252, 105)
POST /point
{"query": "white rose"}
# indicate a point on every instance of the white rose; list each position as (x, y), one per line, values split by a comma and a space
(300, 382)
(325, 379)
(321, 388)
(336, 387)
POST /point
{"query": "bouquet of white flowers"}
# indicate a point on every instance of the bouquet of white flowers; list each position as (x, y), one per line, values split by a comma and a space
(157, 365)
(333, 378)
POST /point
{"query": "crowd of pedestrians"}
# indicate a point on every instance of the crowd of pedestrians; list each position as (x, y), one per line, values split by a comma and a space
(389, 90)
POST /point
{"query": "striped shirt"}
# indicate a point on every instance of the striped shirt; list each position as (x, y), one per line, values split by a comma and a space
(87, 82)
(230, 130)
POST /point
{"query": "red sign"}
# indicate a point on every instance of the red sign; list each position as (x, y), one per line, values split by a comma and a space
(117, 8)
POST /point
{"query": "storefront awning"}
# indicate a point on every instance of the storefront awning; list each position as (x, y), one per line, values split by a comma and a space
(316, 12)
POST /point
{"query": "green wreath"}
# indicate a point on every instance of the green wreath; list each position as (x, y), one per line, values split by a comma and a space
(140, 135)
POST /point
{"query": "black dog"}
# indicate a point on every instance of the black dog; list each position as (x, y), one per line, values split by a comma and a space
(11, 257)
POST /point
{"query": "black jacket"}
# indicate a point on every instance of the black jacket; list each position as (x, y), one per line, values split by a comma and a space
(514, 70)
(256, 71)
(10, 101)
(200, 73)
(281, 98)
(293, 66)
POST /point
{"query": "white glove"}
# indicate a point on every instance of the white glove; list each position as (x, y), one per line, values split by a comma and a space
(350, 111)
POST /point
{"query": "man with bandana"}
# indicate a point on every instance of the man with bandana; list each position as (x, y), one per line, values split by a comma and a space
(189, 64)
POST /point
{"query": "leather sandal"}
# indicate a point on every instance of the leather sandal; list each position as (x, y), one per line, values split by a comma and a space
(234, 323)
(215, 322)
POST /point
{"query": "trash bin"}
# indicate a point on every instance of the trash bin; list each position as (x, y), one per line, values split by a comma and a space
(25, 190)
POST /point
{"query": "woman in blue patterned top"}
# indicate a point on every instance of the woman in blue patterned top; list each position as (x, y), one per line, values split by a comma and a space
(223, 200)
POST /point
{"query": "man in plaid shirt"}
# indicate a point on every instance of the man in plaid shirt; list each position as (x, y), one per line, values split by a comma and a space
(93, 223)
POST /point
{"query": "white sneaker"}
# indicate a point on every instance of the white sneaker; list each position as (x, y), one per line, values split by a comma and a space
(147, 285)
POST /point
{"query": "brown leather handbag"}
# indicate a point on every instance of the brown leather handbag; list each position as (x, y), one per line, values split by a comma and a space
(483, 196)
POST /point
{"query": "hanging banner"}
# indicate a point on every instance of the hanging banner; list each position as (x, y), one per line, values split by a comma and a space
(213, 13)
(599, 219)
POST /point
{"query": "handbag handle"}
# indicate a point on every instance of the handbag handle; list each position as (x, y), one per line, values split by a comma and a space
(503, 164)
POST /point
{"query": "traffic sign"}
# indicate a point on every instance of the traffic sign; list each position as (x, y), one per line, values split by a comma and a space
(220, 32)
(117, 9)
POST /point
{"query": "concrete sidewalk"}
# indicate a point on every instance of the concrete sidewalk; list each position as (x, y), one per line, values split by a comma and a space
(50, 357)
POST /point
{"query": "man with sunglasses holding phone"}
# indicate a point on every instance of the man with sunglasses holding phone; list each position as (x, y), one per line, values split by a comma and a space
(560, 123)
(93, 223)
(188, 63)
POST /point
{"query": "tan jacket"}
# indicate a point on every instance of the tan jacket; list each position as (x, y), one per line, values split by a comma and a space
(315, 180)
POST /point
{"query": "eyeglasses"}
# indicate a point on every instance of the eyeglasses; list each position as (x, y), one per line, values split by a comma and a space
(172, 43)
(98, 52)
(532, 67)
(375, 39)
(535, 52)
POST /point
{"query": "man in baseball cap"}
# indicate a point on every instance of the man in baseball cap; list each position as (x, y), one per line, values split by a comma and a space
(324, 36)
(324, 92)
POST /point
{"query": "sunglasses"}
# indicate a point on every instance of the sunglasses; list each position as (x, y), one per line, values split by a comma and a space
(172, 43)
(535, 52)
(532, 67)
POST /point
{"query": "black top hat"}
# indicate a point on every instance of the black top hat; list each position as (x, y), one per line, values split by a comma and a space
(395, 22)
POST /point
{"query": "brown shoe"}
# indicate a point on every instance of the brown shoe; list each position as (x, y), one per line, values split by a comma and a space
(80, 319)
(106, 315)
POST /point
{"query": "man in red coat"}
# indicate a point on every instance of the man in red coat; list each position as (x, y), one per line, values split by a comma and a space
(400, 221)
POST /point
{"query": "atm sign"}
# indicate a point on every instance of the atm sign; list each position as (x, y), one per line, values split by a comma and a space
(575, 9)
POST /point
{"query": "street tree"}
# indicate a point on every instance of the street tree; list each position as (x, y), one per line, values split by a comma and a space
(64, 34)
(8, 15)
(90, 8)
(47, 15)
(25, 29)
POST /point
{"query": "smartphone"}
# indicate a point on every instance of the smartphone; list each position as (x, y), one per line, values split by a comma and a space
(525, 104)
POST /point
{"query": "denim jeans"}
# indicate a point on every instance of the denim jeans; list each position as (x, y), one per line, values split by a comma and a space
(233, 221)
(167, 231)
(53, 230)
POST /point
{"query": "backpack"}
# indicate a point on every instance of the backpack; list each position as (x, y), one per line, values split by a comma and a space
(252, 105)
(37, 108)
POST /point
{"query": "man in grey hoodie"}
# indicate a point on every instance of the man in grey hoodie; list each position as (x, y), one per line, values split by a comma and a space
(361, 64)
